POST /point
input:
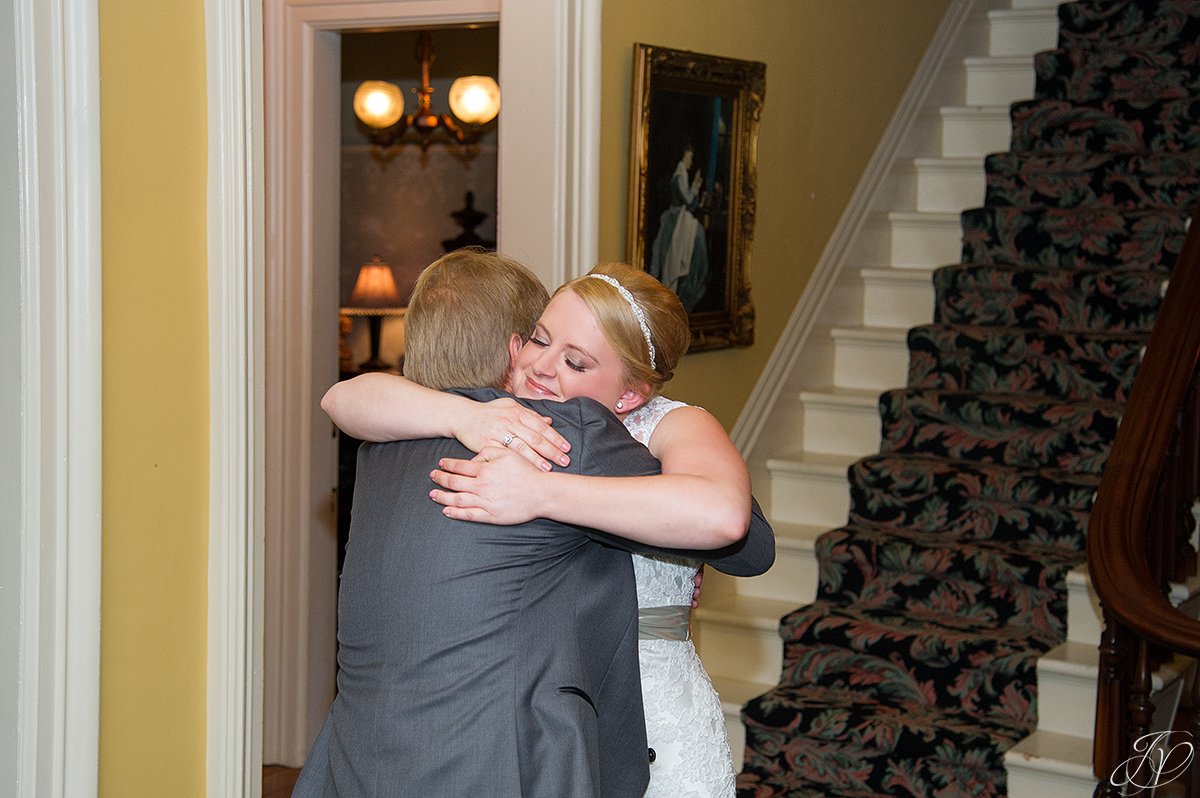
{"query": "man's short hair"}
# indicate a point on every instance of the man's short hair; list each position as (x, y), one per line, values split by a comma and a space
(464, 309)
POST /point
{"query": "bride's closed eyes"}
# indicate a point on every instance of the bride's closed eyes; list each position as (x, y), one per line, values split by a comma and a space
(568, 356)
(541, 340)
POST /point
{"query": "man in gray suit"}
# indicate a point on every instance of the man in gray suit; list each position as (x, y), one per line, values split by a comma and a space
(477, 660)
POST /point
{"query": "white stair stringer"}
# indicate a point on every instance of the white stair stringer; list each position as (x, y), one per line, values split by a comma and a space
(814, 410)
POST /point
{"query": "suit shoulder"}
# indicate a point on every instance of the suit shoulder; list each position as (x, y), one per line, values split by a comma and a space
(580, 413)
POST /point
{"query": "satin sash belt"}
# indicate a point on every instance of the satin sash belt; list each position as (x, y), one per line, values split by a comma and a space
(663, 623)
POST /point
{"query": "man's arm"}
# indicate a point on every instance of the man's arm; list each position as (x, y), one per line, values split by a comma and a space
(380, 407)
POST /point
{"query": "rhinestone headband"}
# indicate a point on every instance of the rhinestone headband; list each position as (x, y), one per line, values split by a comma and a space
(638, 313)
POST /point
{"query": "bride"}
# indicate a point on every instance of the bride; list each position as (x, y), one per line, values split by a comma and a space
(615, 336)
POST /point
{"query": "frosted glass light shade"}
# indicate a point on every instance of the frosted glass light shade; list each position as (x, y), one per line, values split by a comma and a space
(378, 104)
(475, 99)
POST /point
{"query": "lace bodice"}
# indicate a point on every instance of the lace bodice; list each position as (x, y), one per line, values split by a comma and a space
(684, 722)
(641, 422)
(661, 581)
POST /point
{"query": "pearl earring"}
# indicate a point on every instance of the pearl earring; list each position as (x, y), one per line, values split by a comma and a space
(620, 405)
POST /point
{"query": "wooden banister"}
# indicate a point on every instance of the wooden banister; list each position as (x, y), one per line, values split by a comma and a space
(1139, 535)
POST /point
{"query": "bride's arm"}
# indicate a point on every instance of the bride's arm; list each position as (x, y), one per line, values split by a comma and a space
(381, 407)
(700, 501)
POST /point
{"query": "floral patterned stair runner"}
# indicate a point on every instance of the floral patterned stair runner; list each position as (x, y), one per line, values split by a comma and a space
(1083, 238)
(915, 669)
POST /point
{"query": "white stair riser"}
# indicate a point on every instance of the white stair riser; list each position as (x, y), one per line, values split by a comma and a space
(809, 497)
(793, 577)
(737, 732)
(874, 364)
(968, 133)
(998, 82)
(888, 303)
(737, 738)
(1022, 33)
(1084, 621)
(1029, 783)
(1066, 703)
(740, 651)
(923, 243)
(841, 429)
(948, 186)
(1019, 4)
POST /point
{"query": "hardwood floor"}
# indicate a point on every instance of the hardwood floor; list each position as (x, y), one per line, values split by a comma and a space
(277, 782)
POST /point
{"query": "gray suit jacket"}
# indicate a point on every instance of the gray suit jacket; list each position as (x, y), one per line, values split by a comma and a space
(481, 660)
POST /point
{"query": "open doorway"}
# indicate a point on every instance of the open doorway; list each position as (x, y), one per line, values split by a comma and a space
(404, 201)
(305, 287)
(547, 169)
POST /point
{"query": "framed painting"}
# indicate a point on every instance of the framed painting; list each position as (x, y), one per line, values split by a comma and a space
(693, 145)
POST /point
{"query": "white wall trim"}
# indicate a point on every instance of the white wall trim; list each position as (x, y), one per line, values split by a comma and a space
(58, 120)
(946, 43)
(233, 35)
(583, 155)
(549, 149)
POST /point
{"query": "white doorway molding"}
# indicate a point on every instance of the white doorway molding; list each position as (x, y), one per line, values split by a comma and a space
(233, 41)
(50, 622)
(273, 246)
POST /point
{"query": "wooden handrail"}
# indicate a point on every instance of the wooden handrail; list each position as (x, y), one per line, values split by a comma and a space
(1118, 526)
(1139, 531)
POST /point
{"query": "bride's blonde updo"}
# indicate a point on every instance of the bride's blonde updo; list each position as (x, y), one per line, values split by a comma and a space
(665, 320)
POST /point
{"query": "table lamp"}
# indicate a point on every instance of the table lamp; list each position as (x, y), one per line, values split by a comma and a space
(375, 295)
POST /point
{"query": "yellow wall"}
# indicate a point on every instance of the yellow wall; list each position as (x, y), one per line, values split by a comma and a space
(836, 70)
(153, 658)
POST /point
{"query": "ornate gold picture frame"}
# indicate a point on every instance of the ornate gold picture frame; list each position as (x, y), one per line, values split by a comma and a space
(693, 143)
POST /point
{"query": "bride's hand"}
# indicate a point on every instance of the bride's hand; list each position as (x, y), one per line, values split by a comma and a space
(507, 423)
(493, 488)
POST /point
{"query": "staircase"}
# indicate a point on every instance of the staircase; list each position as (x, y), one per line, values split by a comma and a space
(955, 536)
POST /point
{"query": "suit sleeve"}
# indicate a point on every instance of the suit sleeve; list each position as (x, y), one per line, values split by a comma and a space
(750, 556)
(601, 446)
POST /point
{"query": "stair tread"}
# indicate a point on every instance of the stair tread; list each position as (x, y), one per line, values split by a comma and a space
(1054, 752)
(736, 692)
(812, 461)
(865, 333)
(974, 110)
(1071, 659)
(751, 611)
(921, 276)
(1182, 591)
(838, 394)
(999, 61)
(1044, 13)
(965, 162)
(947, 217)
(796, 535)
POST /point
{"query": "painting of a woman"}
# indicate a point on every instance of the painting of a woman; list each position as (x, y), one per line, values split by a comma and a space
(679, 257)
(692, 140)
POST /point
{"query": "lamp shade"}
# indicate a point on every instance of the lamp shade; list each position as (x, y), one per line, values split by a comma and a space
(475, 99)
(375, 287)
(378, 104)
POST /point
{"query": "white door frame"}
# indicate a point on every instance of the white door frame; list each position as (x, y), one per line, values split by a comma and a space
(233, 41)
(56, 93)
(264, 381)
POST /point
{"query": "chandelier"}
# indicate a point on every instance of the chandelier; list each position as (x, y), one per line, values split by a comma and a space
(474, 101)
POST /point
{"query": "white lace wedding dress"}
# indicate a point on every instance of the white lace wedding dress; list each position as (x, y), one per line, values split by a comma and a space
(684, 723)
